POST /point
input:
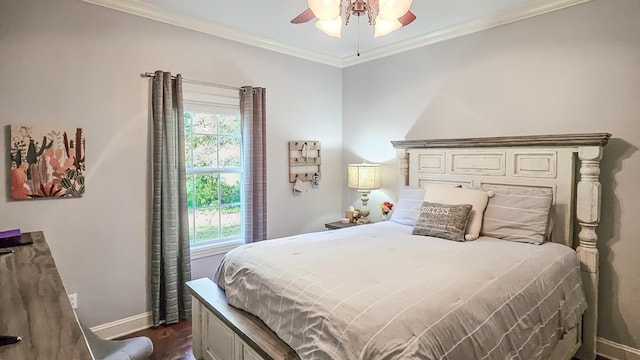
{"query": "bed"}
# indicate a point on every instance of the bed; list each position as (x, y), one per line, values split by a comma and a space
(381, 292)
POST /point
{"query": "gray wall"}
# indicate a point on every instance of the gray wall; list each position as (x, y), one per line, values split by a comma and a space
(575, 70)
(72, 63)
(77, 64)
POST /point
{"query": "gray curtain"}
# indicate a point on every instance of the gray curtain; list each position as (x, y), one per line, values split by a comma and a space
(252, 110)
(170, 257)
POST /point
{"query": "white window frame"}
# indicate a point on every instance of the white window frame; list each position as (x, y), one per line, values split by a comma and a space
(199, 97)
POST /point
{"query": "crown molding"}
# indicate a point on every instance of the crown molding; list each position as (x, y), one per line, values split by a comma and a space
(149, 11)
(503, 17)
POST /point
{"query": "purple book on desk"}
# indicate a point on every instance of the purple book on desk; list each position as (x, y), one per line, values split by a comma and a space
(11, 238)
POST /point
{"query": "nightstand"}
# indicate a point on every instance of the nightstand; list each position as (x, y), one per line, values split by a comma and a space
(338, 225)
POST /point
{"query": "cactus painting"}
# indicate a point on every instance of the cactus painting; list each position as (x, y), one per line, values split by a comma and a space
(46, 163)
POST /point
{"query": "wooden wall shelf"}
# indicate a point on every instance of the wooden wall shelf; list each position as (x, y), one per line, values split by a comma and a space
(304, 160)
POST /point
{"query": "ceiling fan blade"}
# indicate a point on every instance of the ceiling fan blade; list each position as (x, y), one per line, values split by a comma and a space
(303, 17)
(407, 18)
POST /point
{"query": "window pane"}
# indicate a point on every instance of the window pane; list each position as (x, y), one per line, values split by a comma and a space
(188, 158)
(230, 221)
(213, 140)
(207, 225)
(204, 151)
(229, 124)
(190, 192)
(229, 188)
(229, 152)
(204, 123)
(206, 189)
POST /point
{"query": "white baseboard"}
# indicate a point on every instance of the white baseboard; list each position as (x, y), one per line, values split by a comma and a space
(124, 326)
(615, 351)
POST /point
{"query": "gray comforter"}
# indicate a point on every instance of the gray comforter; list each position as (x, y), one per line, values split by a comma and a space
(378, 292)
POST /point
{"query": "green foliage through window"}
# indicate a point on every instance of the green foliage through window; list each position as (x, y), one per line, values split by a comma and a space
(214, 172)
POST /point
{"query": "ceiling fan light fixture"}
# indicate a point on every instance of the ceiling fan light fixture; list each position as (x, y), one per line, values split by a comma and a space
(390, 10)
(331, 27)
(331, 15)
(325, 9)
(384, 27)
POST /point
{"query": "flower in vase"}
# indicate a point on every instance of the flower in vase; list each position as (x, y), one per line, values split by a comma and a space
(386, 207)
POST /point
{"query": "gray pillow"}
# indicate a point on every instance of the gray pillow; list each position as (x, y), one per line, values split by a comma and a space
(407, 209)
(443, 221)
(518, 214)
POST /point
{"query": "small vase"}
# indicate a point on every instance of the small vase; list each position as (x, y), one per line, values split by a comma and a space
(385, 217)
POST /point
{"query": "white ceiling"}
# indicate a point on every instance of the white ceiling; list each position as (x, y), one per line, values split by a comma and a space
(267, 24)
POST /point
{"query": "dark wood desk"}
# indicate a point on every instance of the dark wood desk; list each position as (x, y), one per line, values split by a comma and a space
(34, 305)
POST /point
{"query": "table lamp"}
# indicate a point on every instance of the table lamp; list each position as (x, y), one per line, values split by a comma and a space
(364, 178)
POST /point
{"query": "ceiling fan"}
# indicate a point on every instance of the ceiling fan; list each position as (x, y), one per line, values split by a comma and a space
(385, 15)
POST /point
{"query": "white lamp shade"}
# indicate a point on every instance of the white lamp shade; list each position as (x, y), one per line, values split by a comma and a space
(325, 9)
(393, 9)
(384, 27)
(331, 27)
(363, 176)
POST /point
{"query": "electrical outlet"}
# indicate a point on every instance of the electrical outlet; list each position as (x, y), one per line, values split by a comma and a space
(73, 299)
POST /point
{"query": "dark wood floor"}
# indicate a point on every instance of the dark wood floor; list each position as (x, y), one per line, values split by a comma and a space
(173, 342)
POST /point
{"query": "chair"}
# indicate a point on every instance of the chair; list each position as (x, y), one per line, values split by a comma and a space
(136, 348)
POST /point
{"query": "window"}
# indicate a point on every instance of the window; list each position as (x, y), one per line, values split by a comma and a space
(214, 169)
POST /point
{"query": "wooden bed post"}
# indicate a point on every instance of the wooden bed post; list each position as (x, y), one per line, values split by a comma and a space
(588, 214)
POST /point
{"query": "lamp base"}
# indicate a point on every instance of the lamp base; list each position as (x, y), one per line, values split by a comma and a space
(363, 220)
(364, 211)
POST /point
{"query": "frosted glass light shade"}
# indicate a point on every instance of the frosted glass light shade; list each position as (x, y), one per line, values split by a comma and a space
(331, 27)
(363, 176)
(384, 27)
(391, 10)
(325, 9)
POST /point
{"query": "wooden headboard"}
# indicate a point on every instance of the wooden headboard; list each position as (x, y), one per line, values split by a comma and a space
(553, 161)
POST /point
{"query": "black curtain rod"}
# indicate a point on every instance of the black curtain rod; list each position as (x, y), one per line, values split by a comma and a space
(152, 75)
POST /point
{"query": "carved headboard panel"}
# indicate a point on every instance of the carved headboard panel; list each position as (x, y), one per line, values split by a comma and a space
(542, 161)
(502, 166)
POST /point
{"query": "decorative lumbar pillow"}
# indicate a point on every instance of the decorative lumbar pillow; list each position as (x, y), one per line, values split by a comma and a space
(456, 196)
(407, 209)
(519, 214)
(442, 220)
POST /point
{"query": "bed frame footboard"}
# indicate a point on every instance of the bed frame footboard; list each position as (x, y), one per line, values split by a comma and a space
(222, 332)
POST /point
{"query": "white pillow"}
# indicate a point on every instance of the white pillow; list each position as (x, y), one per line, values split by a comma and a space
(407, 210)
(457, 196)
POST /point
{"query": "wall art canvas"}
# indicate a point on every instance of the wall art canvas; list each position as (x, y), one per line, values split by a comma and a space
(46, 162)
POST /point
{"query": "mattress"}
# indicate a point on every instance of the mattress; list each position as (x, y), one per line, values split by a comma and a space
(378, 292)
